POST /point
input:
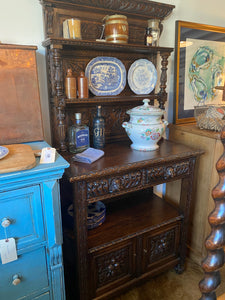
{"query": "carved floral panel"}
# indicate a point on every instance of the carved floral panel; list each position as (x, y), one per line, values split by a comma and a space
(114, 184)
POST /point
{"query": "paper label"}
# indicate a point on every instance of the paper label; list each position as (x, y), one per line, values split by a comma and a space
(82, 138)
(47, 155)
(8, 250)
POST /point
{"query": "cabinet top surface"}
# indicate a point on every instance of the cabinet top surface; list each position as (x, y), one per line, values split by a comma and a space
(58, 166)
(194, 129)
(119, 157)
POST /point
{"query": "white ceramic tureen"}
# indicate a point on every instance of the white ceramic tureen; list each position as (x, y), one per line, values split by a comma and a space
(145, 127)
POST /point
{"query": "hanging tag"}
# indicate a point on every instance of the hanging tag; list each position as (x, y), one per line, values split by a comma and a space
(47, 155)
(8, 250)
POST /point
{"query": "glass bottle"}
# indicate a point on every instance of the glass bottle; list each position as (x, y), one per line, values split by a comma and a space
(70, 85)
(148, 37)
(99, 130)
(82, 83)
(78, 136)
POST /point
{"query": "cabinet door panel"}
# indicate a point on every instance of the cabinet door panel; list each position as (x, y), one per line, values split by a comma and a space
(160, 246)
(24, 211)
(31, 269)
(45, 296)
(113, 266)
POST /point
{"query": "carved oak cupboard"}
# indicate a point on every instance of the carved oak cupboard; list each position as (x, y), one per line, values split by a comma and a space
(142, 234)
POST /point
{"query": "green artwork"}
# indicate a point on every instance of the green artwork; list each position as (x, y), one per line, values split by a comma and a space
(206, 70)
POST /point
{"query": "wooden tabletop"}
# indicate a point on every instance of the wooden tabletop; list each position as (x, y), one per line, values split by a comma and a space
(120, 157)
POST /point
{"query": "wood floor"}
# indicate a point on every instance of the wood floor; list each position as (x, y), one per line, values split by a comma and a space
(222, 297)
(171, 286)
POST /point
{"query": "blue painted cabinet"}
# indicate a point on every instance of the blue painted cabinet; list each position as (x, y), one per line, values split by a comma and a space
(30, 204)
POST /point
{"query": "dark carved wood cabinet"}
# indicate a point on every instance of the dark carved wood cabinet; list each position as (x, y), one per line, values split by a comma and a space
(142, 235)
(76, 54)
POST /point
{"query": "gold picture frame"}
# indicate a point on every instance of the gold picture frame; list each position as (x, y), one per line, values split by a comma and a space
(192, 67)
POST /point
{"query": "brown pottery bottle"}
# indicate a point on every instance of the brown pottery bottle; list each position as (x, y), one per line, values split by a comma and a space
(82, 83)
(70, 85)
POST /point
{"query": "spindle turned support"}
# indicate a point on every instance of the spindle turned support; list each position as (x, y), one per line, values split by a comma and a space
(216, 240)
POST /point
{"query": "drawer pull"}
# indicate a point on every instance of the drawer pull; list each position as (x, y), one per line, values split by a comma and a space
(5, 222)
(16, 280)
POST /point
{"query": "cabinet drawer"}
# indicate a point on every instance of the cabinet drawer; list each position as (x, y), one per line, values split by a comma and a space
(45, 296)
(31, 268)
(160, 246)
(113, 266)
(23, 209)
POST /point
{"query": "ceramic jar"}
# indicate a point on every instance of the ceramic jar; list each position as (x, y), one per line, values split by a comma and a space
(145, 127)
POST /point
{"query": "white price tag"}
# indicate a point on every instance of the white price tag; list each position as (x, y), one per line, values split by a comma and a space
(8, 250)
(47, 155)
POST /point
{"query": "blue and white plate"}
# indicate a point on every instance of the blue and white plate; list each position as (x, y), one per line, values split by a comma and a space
(142, 77)
(106, 76)
(3, 151)
(96, 215)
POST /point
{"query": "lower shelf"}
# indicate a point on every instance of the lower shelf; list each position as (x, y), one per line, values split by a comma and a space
(139, 238)
(130, 216)
(126, 217)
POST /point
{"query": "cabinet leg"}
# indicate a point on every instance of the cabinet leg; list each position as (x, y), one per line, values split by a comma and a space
(179, 268)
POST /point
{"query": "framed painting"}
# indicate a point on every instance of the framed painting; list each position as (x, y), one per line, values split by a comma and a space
(20, 113)
(199, 68)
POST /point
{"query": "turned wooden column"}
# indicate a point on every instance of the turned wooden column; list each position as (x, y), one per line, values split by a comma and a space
(216, 240)
(57, 91)
(163, 79)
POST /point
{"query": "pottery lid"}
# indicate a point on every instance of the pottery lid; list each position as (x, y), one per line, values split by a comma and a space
(145, 109)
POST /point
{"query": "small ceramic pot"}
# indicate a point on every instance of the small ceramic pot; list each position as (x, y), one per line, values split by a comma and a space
(145, 127)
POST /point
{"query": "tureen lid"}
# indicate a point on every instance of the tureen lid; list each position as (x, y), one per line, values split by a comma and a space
(145, 109)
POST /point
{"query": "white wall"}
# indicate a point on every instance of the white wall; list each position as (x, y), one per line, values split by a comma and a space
(21, 22)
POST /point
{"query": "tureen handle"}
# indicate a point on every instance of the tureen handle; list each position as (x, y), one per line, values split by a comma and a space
(146, 102)
(165, 122)
(124, 124)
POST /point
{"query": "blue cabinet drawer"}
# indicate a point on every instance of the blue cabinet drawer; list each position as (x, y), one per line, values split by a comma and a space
(45, 296)
(31, 269)
(23, 209)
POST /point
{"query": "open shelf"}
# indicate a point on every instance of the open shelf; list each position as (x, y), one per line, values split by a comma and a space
(99, 46)
(143, 211)
(109, 99)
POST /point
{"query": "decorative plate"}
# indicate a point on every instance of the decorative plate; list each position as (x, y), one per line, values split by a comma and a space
(3, 151)
(106, 76)
(142, 76)
(96, 215)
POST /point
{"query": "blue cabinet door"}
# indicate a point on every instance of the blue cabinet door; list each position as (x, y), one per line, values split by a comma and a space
(23, 209)
(31, 269)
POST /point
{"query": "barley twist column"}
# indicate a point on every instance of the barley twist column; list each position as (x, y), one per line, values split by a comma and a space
(216, 240)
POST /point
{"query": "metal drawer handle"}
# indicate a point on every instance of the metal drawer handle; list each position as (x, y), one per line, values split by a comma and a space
(5, 222)
(16, 279)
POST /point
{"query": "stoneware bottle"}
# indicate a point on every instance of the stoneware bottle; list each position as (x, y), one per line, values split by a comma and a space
(70, 85)
(82, 83)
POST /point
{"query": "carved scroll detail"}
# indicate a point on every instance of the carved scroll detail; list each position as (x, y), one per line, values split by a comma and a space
(151, 9)
(113, 185)
(216, 239)
(168, 172)
(48, 17)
